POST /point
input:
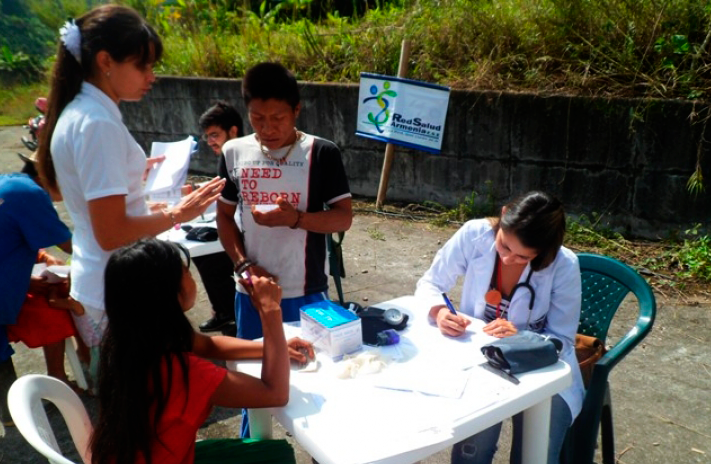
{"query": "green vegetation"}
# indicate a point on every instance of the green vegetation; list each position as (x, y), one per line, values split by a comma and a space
(24, 43)
(375, 234)
(17, 102)
(472, 206)
(655, 48)
(689, 258)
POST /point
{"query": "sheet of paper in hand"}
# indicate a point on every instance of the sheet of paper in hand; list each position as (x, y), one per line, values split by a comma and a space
(169, 175)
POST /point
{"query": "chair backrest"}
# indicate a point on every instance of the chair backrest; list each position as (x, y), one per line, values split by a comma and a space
(25, 404)
(605, 283)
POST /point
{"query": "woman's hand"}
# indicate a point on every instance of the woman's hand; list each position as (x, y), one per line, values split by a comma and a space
(295, 346)
(264, 293)
(448, 323)
(156, 206)
(195, 203)
(150, 164)
(500, 328)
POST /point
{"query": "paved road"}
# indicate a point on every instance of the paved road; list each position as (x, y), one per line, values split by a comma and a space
(662, 404)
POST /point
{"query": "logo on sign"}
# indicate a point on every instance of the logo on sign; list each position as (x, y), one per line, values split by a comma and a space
(379, 119)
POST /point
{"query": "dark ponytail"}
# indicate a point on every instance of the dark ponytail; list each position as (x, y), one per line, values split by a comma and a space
(65, 84)
(118, 30)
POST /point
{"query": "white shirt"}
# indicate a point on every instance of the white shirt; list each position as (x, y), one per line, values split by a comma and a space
(556, 310)
(94, 157)
(312, 176)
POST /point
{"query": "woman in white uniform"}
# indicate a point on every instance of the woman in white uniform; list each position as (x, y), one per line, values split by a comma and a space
(517, 276)
(86, 152)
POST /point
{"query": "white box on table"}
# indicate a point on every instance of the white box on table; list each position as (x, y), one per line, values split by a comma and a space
(331, 328)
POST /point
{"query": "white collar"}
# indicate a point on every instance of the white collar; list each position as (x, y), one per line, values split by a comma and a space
(97, 94)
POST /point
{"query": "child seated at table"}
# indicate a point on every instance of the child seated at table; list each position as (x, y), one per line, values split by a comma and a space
(45, 321)
(155, 387)
(517, 276)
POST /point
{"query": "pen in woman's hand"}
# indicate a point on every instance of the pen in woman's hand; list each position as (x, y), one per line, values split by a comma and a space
(449, 304)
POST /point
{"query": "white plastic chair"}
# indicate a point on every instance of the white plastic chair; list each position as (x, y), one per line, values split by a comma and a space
(71, 353)
(70, 350)
(25, 404)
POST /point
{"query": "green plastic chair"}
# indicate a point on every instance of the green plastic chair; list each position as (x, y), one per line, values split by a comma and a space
(605, 283)
(335, 261)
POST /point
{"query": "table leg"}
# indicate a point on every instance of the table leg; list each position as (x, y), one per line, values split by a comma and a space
(536, 430)
(260, 424)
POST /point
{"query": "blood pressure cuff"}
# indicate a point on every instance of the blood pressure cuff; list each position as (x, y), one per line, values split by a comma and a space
(375, 321)
(523, 352)
(202, 234)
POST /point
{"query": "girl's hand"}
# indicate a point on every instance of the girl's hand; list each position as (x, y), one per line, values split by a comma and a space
(52, 260)
(295, 345)
(500, 328)
(448, 323)
(38, 285)
(264, 293)
(195, 203)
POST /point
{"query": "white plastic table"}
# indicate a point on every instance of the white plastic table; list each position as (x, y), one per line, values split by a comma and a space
(357, 421)
(194, 247)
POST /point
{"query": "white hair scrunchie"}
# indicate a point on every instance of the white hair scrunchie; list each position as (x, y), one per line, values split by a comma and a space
(70, 36)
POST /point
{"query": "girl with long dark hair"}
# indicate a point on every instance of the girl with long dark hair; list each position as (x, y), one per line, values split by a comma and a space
(104, 57)
(517, 276)
(155, 388)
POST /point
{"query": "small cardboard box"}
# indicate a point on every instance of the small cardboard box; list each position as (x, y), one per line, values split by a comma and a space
(331, 328)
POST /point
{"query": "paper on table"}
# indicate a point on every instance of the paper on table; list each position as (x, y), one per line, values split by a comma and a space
(172, 172)
(170, 197)
(462, 352)
(447, 383)
(485, 389)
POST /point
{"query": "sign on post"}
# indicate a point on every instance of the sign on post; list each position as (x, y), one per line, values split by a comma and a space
(402, 111)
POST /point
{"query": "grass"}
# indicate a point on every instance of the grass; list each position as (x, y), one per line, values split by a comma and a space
(642, 48)
(17, 102)
(375, 234)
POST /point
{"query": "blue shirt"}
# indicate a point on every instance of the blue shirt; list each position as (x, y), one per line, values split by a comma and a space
(28, 222)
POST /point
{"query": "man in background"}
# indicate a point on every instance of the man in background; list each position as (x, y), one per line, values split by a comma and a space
(220, 123)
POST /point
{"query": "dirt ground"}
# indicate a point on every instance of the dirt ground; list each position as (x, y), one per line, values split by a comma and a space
(660, 392)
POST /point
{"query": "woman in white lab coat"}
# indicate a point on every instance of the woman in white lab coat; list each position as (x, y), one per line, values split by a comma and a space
(517, 276)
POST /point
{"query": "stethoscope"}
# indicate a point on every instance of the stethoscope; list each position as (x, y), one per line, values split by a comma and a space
(525, 284)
